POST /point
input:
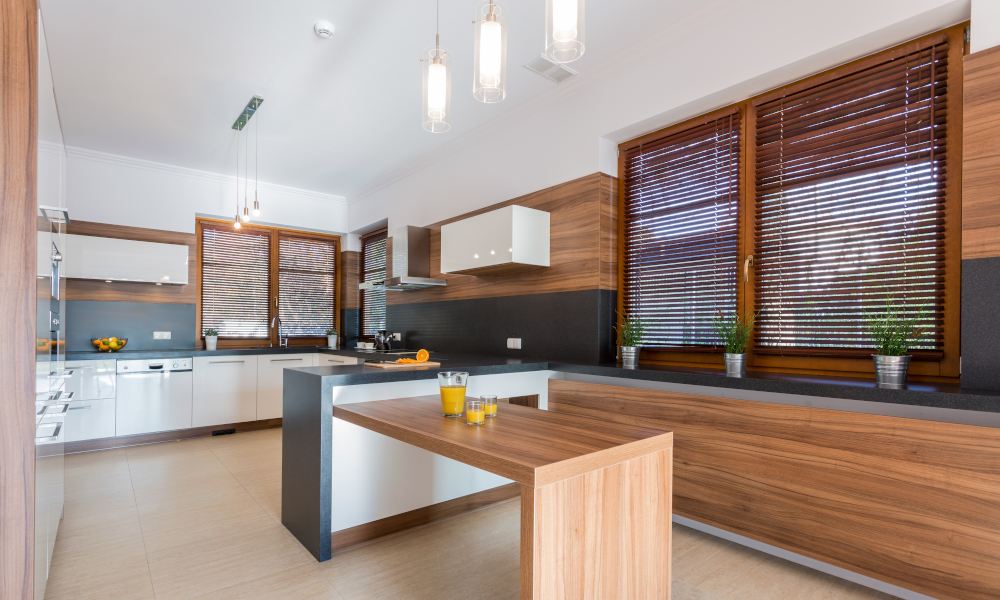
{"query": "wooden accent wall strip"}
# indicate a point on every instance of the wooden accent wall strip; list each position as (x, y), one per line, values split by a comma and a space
(99, 291)
(18, 246)
(346, 538)
(349, 262)
(580, 254)
(981, 164)
(909, 502)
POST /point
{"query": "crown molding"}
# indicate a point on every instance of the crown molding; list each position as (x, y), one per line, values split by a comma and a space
(157, 167)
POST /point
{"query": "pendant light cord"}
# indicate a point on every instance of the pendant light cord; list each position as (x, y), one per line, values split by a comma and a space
(256, 148)
(238, 174)
(437, 29)
(246, 170)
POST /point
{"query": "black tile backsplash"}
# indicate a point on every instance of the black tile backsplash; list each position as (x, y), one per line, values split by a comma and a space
(567, 326)
(981, 324)
(133, 320)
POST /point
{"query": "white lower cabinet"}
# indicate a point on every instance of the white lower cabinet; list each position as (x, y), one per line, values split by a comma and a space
(326, 360)
(225, 390)
(90, 419)
(270, 379)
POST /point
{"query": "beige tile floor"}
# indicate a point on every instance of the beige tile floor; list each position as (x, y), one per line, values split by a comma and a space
(201, 519)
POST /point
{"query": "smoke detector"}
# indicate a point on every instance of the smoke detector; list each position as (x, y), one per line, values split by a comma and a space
(324, 29)
(554, 71)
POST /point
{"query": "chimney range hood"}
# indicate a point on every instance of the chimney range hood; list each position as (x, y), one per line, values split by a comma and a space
(411, 262)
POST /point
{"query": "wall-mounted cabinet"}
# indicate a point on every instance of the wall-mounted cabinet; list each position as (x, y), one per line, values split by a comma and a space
(497, 241)
(109, 259)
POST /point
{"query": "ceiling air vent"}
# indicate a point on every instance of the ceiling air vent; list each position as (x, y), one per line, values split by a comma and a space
(546, 68)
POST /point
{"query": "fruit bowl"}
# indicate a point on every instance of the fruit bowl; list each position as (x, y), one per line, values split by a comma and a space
(111, 344)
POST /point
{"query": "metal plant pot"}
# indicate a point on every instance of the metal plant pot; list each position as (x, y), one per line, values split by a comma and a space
(630, 356)
(890, 371)
(736, 365)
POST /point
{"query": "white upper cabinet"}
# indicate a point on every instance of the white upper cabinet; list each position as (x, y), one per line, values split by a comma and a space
(90, 257)
(495, 241)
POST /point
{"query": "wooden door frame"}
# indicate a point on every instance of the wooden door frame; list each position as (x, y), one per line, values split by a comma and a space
(18, 247)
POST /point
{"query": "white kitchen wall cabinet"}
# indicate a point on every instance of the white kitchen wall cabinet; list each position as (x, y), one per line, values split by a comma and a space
(270, 379)
(225, 390)
(327, 360)
(496, 241)
(91, 257)
(91, 412)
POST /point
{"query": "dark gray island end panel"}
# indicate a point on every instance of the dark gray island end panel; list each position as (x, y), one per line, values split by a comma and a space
(306, 454)
(980, 325)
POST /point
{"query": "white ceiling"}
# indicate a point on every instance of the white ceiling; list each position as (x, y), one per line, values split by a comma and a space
(164, 81)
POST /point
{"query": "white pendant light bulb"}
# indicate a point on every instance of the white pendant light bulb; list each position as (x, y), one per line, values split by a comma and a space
(436, 114)
(489, 77)
(246, 215)
(236, 221)
(564, 30)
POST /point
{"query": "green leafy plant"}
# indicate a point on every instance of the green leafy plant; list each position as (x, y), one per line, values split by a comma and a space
(331, 331)
(734, 331)
(891, 330)
(209, 332)
(631, 330)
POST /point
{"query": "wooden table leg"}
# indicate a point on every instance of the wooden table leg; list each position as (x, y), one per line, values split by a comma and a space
(603, 535)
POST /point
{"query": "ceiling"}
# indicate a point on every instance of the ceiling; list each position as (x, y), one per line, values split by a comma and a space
(164, 81)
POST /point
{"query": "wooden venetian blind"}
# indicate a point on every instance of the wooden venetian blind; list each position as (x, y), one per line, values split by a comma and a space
(235, 281)
(307, 285)
(682, 197)
(850, 183)
(373, 268)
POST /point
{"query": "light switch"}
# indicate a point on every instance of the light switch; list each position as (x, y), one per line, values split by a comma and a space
(161, 335)
(514, 343)
(398, 337)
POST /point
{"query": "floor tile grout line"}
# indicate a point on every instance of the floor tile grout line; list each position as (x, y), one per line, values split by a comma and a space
(254, 498)
(138, 518)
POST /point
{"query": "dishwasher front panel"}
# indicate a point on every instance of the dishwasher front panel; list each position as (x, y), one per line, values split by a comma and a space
(151, 402)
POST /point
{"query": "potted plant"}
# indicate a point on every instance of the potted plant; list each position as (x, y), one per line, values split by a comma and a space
(331, 338)
(630, 334)
(211, 338)
(892, 333)
(734, 331)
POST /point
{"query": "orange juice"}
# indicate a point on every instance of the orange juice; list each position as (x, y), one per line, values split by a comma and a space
(491, 409)
(477, 417)
(452, 400)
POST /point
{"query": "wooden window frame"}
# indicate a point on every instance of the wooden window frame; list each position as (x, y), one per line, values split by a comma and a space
(945, 369)
(274, 234)
(361, 278)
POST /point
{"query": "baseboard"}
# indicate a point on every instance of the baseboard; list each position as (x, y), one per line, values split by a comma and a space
(166, 436)
(346, 538)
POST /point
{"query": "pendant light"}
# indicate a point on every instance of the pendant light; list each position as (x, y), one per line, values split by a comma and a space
(564, 33)
(241, 122)
(236, 221)
(489, 65)
(436, 116)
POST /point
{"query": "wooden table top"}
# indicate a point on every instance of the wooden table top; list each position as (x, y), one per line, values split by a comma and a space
(531, 446)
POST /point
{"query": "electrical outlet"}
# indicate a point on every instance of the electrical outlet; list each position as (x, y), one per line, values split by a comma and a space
(398, 337)
(514, 343)
(161, 335)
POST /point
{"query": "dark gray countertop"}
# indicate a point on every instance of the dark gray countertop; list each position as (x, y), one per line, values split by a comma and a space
(916, 394)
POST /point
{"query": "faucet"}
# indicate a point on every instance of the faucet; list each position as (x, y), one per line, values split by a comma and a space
(282, 341)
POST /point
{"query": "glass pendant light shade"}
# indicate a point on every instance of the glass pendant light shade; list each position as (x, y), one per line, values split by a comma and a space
(564, 32)
(489, 66)
(437, 90)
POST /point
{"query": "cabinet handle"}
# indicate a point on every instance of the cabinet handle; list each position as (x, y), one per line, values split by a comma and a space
(225, 362)
(88, 407)
(284, 359)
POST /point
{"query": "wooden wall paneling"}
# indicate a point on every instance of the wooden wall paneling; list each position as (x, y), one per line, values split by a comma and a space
(99, 291)
(575, 249)
(905, 501)
(350, 278)
(981, 164)
(18, 246)
(609, 232)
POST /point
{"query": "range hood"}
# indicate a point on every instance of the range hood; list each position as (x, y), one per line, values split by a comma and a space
(411, 262)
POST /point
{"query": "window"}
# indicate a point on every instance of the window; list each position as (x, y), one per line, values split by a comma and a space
(827, 198)
(373, 268)
(682, 207)
(851, 181)
(250, 275)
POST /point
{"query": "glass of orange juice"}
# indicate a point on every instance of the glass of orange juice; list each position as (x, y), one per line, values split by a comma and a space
(452, 384)
(489, 405)
(474, 413)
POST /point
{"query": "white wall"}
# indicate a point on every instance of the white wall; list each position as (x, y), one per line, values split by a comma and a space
(107, 188)
(985, 24)
(695, 65)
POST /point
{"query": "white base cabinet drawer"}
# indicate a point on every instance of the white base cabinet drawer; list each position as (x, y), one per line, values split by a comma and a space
(270, 380)
(225, 390)
(326, 360)
(90, 419)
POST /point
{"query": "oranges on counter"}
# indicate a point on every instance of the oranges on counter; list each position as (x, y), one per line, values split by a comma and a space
(111, 344)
